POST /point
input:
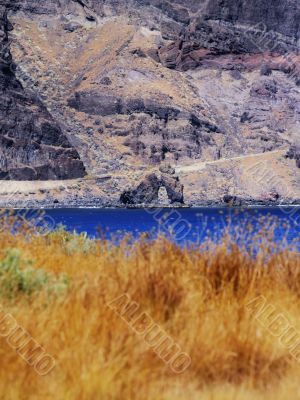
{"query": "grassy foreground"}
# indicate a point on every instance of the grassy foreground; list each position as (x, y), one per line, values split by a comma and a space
(61, 288)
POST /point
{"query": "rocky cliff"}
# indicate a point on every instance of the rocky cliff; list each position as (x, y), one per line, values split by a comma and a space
(237, 27)
(208, 87)
(32, 145)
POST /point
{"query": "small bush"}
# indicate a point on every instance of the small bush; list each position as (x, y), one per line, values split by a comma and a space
(18, 275)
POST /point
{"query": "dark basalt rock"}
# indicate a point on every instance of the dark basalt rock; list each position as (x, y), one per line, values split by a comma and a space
(232, 201)
(95, 103)
(147, 191)
(265, 70)
(32, 145)
(294, 154)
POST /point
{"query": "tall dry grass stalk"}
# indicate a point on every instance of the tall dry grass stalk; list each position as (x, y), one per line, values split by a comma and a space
(198, 296)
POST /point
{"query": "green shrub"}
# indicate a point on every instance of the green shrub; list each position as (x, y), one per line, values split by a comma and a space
(18, 275)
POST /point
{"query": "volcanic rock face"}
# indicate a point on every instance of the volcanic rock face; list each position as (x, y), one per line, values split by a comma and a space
(232, 27)
(206, 86)
(147, 191)
(32, 145)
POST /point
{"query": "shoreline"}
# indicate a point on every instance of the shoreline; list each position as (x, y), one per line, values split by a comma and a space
(149, 207)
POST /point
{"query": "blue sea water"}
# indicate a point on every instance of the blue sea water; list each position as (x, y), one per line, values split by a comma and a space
(187, 225)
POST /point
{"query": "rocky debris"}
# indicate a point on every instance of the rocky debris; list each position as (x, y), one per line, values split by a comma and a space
(106, 81)
(148, 191)
(32, 145)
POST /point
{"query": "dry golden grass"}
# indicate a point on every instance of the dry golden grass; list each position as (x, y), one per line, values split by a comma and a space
(197, 297)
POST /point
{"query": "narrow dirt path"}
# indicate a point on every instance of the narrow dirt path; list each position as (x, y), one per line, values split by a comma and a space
(202, 165)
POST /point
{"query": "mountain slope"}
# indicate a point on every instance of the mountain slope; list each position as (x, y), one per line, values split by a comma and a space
(142, 85)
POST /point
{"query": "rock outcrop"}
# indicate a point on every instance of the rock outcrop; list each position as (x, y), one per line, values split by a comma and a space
(151, 130)
(294, 154)
(32, 145)
(147, 192)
